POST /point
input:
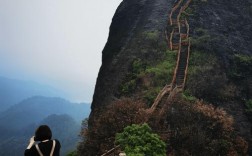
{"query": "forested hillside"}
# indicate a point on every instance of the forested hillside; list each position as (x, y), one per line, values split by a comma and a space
(64, 128)
(13, 91)
(19, 122)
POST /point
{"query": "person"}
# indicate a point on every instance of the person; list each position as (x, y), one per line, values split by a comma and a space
(46, 146)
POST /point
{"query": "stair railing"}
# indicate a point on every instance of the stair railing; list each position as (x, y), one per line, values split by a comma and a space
(164, 91)
(187, 62)
(171, 36)
(111, 151)
(173, 9)
(177, 64)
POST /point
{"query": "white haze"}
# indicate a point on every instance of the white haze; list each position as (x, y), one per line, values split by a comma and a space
(55, 42)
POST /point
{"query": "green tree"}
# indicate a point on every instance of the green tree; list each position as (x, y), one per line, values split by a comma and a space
(140, 140)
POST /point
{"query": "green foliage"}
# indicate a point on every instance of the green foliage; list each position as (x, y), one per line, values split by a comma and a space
(187, 96)
(151, 94)
(199, 60)
(244, 59)
(240, 72)
(241, 67)
(151, 35)
(73, 153)
(249, 104)
(202, 37)
(205, 79)
(188, 12)
(149, 77)
(114, 118)
(137, 66)
(249, 109)
(160, 74)
(202, 129)
(164, 70)
(201, 31)
(204, 41)
(128, 87)
(129, 84)
(140, 140)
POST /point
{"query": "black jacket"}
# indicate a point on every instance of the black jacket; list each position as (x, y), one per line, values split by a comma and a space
(45, 148)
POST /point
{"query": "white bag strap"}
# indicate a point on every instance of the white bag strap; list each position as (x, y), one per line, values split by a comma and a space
(37, 147)
(53, 147)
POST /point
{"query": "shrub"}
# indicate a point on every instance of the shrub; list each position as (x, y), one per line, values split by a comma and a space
(241, 67)
(249, 104)
(206, 80)
(140, 140)
(201, 129)
(151, 35)
(73, 153)
(148, 79)
(116, 116)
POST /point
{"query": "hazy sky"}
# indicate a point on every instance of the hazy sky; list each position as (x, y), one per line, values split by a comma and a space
(55, 42)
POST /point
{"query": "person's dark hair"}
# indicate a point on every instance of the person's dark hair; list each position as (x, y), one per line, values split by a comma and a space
(43, 132)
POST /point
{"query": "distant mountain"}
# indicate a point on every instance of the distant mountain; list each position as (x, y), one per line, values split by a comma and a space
(24, 105)
(64, 128)
(13, 91)
(19, 122)
(34, 109)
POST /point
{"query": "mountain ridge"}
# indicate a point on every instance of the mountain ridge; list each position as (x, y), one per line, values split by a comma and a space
(18, 141)
(36, 108)
(12, 91)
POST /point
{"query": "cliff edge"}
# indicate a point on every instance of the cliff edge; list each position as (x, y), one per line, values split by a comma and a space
(137, 61)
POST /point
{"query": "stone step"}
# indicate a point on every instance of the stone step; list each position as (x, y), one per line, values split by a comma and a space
(185, 43)
(183, 36)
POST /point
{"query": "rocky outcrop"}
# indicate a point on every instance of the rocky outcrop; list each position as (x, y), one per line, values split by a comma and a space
(227, 25)
(124, 44)
(219, 29)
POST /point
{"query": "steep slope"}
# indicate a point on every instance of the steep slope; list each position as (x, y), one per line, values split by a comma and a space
(134, 24)
(221, 45)
(137, 62)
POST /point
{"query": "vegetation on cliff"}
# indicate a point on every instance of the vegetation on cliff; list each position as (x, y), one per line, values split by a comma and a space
(194, 128)
(198, 128)
(219, 73)
(113, 119)
(139, 140)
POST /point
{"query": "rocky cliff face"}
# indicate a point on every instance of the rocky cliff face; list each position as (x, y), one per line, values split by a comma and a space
(227, 25)
(136, 63)
(126, 43)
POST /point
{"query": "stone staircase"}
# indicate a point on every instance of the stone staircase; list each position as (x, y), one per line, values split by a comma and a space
(178, 39)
